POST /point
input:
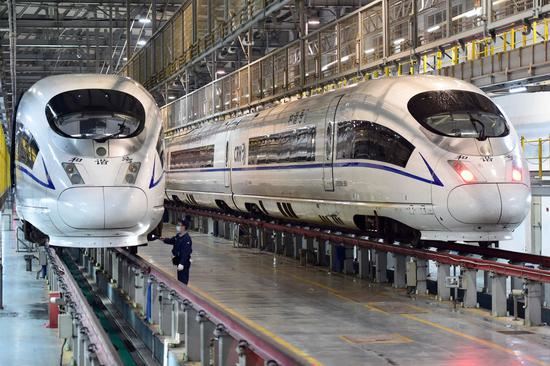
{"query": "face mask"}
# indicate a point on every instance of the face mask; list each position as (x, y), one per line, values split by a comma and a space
(178, 228)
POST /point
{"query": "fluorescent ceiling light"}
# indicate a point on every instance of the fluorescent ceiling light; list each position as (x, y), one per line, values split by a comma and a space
(433, 29)
(141, 42)
(369, 51)
(314, 21)
(125, 59)
(144, 20)
(519, 89)
(399, 41)
(221, 72)
(171, 97)
(469, 14)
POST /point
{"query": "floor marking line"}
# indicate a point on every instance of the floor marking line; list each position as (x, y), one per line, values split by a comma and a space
(472, 338)
(261, 329)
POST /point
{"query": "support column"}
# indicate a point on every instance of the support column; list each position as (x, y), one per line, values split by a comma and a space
(533, 303)
(381, 259)
(498, 295)
(191, 335)
(155, 304)
(363, 258)
(545, 291)
(400, 271)
(443, 292)
(470, 285)
(332, 252)
(206, 333)
(210, 226)
(165, 312)
(421, 276)
(224, 345)
(487, 282)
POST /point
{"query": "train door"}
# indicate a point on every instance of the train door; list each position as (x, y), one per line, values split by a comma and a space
(330, 131)
(227, 170)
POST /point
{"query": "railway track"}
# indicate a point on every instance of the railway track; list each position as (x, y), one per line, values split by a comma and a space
(504, 262)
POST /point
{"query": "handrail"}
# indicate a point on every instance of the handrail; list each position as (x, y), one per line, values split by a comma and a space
(540, 157)
(535, 274)
(263, 347)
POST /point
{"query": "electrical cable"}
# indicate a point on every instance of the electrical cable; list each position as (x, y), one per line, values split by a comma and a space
(62, 351)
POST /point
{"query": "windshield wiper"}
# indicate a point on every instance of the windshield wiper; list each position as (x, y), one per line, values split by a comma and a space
(481, 131)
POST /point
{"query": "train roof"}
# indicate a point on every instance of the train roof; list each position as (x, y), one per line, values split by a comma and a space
(51, 86)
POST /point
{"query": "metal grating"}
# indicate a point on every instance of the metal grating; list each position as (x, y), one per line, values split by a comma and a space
(514, 332)
(396, 308)
(393, 338)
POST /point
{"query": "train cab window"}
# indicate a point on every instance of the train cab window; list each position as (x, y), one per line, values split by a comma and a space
(284, 147)
(458, 113)
(160, 146)
(197, 157)
(95, 114)
(371, 141)
(26, 148)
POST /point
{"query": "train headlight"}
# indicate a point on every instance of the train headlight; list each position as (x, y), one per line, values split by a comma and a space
(72, 172)
(132, 172)
(517, 176)
(462, 169)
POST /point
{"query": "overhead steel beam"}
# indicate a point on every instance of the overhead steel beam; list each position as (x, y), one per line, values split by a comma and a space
(33, 25)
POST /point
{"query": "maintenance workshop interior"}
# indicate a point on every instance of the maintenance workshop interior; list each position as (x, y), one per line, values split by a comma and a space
(276, 183)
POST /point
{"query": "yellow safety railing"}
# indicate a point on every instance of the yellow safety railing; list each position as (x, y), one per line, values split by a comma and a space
(539, 156)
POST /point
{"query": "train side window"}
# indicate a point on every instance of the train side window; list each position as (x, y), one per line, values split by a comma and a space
(371, 141)
(160, 147)
(26, 147)
(284, 147)
(197, 157)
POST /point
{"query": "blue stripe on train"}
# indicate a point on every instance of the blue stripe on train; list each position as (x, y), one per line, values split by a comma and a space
(48, 184)
(350, 164)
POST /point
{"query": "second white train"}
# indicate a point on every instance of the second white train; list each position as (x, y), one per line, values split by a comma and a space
(419, 157)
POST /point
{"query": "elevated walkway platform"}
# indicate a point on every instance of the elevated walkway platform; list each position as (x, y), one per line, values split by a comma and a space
(332, 319)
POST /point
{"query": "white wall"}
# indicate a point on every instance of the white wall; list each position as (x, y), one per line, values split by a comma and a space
(528, 113)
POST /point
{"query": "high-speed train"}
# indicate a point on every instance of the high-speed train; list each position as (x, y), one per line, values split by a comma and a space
(408, 158)
(89, 161)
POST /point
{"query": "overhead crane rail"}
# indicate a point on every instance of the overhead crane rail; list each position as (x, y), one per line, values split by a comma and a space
(442, 257)
(476, 45)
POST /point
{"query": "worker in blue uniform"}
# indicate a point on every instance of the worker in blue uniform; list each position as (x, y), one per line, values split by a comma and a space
(183, 247)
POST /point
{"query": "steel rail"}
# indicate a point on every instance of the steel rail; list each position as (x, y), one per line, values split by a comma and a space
(104, 349)
(258, 344)
(494, 266)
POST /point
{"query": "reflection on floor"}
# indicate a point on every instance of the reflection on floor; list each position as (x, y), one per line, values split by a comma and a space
(24, 338)
(338, 320)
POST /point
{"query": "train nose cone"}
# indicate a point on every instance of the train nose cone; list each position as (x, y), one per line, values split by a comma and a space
(516, 202)
(489, 203)
(96, 208)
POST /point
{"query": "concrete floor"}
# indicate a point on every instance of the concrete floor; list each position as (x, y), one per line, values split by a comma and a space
(24, 338)
(338, 320)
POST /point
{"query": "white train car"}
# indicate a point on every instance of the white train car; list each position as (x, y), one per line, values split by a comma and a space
(89, 161)
(408, 158)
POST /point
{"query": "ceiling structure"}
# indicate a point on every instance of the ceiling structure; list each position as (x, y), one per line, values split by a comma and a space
(42, 38)
(79, 36)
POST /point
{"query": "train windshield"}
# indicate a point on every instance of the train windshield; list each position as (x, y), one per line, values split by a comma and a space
(98, 114)
(458, 113)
